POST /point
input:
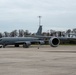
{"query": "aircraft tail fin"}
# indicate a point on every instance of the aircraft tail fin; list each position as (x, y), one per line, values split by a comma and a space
(39, 30)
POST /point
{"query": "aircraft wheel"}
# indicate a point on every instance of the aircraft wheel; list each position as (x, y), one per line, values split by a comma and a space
(25, 46)
(4, 45)
(0, 46)
(16, 45)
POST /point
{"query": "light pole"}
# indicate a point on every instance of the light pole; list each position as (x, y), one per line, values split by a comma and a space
(39, 20)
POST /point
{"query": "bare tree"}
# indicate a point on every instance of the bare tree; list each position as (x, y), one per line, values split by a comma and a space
(21, 33)
(6, 34)
(0, 35)
(14, 33)
(44, 34)
(59, 33)
(74, 30)
(26, 33)
(68, 32)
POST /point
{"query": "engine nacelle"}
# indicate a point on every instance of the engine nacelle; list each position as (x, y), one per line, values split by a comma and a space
(54, 42)
(26, 44)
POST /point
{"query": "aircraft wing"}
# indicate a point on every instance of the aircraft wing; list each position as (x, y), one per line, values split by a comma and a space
(30, 42)
(66, 38)
(22, 42)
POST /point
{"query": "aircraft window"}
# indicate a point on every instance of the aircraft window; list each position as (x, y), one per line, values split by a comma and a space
(0, 39)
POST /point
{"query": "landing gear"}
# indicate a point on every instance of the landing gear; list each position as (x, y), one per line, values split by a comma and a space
(4, 45)
(0, 46)
(25, 46)
(16, 45)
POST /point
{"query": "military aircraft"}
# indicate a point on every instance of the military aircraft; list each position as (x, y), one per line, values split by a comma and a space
(38, 38)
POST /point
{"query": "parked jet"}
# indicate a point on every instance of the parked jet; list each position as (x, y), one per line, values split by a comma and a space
(27, 41)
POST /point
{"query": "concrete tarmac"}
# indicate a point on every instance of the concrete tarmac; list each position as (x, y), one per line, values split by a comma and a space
(46, 60)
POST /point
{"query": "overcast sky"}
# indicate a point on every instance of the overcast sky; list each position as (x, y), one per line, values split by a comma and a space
(23, 14)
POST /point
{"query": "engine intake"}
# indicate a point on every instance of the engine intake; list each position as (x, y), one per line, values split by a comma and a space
(54, 42)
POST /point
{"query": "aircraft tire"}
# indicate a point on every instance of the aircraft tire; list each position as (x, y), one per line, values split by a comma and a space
(4, 45)
(25, 45)
(16, 45)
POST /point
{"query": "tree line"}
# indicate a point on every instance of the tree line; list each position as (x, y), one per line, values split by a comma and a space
(24, 33)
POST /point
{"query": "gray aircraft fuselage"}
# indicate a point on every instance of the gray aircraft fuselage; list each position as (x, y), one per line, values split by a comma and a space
(18, 40)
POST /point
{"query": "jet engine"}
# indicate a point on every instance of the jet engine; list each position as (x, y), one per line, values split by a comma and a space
(26, 44)
(54, 42)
